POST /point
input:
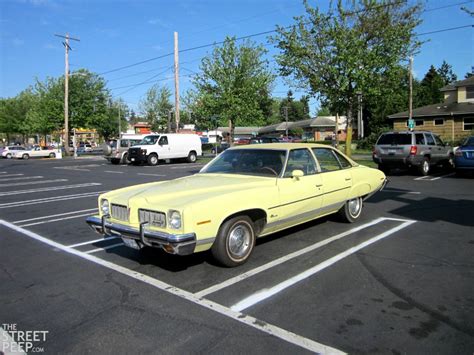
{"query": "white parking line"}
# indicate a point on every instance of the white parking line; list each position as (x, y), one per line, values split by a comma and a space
(33, 182)
(150, 174)
(55, 215)
(253, 322)
(54, 188)
(57, 219)
(113, 172)
(3, 172)
(401, 191)
(21, 178)
(104, 248)
(9, 175)
(49, 199)
(91, 242)
(290, 256)
(433, 177)
(268, 292)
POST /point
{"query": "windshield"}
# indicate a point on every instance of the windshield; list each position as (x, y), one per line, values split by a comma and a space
(469, 141)
(149, 140)
(261, 162)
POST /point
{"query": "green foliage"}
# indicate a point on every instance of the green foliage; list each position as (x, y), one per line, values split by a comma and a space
(156, 107)
(14, 114)
(347, 50)
(235, 86)
(323, 111)
(297, 110)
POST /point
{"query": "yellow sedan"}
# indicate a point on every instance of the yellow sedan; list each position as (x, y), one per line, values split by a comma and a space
(245, 193)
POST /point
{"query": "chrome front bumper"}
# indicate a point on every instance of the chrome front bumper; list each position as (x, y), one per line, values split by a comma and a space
(181, 244)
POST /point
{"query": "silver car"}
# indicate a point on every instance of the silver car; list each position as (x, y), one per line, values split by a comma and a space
(419, 150)
(116, 151)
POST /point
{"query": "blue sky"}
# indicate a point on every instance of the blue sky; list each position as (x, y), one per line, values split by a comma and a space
(118, 33)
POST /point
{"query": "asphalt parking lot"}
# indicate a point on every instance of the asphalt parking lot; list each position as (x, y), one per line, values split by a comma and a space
(400, 280)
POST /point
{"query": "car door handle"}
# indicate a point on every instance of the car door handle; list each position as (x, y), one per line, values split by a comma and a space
(319, 185)
(348, 179)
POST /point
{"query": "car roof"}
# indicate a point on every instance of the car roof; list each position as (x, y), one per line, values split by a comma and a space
(405, 132)
(281, 146)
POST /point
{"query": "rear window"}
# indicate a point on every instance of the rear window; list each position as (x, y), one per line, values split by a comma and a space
(395, 139)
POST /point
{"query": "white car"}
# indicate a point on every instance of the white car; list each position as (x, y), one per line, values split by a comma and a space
(9, 151)
(36, 152)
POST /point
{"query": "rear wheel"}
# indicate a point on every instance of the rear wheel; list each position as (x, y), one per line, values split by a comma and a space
(424, 168)
(8, 156)
(351, 210)
(26, 156)
(192, 157)
(235, 241)
(125, 158)
(52, 155)
(152, 159)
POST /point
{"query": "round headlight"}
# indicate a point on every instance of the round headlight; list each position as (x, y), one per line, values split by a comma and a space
(174, 219)
(104, 206)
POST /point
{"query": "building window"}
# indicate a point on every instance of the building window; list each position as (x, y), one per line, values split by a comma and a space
(468, 124)
(439, 122)
(470, 92)
(419, 122)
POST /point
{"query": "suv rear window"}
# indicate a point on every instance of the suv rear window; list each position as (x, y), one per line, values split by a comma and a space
(395, 139)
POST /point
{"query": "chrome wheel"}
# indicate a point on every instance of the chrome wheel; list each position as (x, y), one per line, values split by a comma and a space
(239, 240)
(355, 207)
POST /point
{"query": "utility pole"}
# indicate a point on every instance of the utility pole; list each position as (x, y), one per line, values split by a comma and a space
(176, 81)
(66, 89)
(360, 124)
(119, 120)
(411, 123)
(285, 110)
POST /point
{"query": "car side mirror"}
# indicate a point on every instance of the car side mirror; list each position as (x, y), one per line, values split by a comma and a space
(297, 174)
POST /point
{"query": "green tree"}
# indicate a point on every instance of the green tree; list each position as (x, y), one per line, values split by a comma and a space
(156, 106)
(14, 114)
(446, 73)
(297, 110)
(235, 85)
(428, 92)
(347, 50)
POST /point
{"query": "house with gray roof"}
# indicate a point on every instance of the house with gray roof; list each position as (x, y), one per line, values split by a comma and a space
(452, 120)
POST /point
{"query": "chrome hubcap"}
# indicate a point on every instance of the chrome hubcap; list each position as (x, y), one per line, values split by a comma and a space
(426, 166)
(239, 241)
(354, 206)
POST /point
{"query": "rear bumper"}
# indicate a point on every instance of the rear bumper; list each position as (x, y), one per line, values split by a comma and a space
(181, 244)
(412, 160)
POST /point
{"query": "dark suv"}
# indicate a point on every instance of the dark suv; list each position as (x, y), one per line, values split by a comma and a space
(419, 150)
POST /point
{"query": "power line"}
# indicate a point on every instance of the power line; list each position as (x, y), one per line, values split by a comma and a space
(147, 81)
(445, 30)
(446, 6)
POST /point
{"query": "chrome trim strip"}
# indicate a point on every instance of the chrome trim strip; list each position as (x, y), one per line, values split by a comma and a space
(315, 212)
(205, 241)
(308, 198)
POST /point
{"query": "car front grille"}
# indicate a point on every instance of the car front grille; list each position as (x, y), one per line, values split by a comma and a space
(119, 212)
(156, 219)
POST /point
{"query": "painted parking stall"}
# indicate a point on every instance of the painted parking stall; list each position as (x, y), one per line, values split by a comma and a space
(290, 268)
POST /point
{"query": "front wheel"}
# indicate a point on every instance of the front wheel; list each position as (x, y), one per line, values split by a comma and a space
(351, 210)
(26, 156)
(235, 241)
(192, 157)
(125, 158)
(52, 155)
(8, 156)
(152, 159)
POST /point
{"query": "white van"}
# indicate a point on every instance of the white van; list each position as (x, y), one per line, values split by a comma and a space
(166, 146)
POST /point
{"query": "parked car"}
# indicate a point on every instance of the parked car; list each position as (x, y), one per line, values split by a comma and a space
(116, 151)
(85, 148)
(238, 141)
(35, 152)
(261, 140)
(154, 147)
(272, 187)
(220, 148)
(420, 150)
(8, 151)
(464, 156)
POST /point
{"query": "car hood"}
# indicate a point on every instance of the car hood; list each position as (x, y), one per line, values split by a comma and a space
(181, 192)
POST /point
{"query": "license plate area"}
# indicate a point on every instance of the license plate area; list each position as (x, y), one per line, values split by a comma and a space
(131, 243)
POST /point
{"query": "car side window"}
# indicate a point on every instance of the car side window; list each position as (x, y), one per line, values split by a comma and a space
(163, 141)
(342, 160)
(420, 138)
(438, 140)
(124, 143)
(300, 159)
(327, 160)
(429, 139)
